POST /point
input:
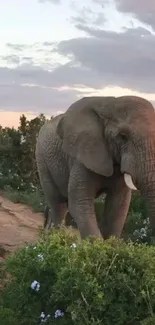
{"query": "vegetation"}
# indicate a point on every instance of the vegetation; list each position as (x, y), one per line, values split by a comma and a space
(76, 283)
(61, 280)
(17, 155)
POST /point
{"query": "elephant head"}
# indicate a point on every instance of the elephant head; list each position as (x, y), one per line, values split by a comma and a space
(103, 131)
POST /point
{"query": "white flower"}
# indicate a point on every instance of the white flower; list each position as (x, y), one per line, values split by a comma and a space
(141, 233)
(42, 315)
(34, 247)
(35, 285)
(73, 245)
(41, 257)
(44, 318)
(58, 313)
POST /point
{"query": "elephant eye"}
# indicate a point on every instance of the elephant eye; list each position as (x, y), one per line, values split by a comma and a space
(123, 137)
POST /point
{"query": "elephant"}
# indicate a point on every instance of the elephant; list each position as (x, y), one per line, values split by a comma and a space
(98, 145)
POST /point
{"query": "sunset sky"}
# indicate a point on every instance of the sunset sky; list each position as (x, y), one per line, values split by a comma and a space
(52, 52)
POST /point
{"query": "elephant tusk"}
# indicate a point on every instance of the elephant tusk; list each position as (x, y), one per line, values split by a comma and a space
(129, 182)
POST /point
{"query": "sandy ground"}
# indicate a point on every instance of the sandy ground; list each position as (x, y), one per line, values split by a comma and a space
(19, 225)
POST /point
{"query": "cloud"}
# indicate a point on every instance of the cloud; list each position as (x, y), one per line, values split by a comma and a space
(52, 1)
(16, 60)
(49, 44)
(35, 99)
(87, 16)
(62, 71)
(38, 54)
(33, 88)
(123, 59)
(10, 59)
(142, 10)
(64, 75)
(17, 47)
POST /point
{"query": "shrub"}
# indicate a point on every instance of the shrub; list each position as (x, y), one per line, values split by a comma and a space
(104, 283)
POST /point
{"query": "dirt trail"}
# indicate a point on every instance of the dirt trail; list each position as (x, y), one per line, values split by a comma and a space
(18, 225)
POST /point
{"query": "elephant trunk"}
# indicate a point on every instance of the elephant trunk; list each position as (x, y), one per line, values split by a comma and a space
(149, 198)
(139, 173)
(150, 204)
(145, 172)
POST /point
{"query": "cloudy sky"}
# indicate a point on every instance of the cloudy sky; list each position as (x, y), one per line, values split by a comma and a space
(52, 52)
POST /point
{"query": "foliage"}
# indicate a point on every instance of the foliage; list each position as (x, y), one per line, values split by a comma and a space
(104, 283)
(17, 154)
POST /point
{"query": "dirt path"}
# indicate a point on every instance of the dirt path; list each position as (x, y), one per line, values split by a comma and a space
(18, 225)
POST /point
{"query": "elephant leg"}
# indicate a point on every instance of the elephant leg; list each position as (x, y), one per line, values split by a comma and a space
(81, 193)
(116, 209)
(55, 215)
(56, 205)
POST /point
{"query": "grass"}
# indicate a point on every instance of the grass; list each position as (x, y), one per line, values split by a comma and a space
(33, 199)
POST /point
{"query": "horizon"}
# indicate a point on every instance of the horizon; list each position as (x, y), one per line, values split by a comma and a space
(53, 52)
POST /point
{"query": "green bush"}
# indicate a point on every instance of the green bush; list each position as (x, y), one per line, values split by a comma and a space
(105, 283)
(137, 205)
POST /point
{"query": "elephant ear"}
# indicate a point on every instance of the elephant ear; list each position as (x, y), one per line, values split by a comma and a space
(83, 138)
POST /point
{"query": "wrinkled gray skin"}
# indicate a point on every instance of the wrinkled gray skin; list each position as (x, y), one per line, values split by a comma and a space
(85, 152)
